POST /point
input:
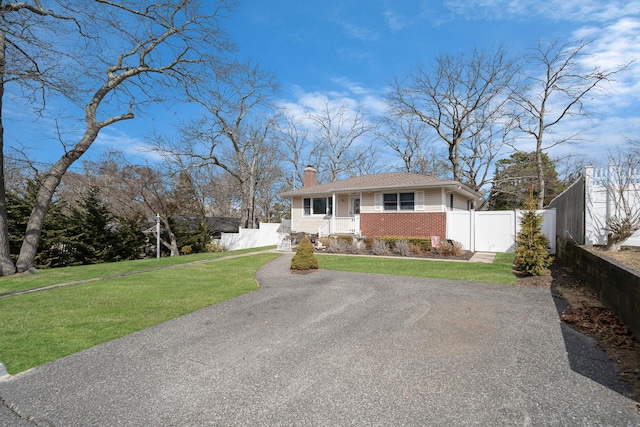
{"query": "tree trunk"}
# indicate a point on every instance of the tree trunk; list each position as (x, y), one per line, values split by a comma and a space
(541, 183)
(454, 159)
(172, 244)
(48, 186)
(6, 263)
(539, 163)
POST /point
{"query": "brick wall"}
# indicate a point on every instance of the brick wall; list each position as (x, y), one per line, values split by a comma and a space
(409, 224)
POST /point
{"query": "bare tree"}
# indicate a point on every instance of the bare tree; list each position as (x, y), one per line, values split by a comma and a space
(341, 146)
(144, 50)
(25, 62)
(555, 91)
(234, 131)
(461, 98)
(296, 148)
(623, 192)
(479, 153)
(410, 139)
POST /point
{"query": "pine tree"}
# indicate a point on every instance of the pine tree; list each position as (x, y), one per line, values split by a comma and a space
(95, 235)
(532, 251)
(19, 206)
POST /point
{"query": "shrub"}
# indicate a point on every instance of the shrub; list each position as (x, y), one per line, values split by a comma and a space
(368, 242)
(348, 239)
(325, 241)
(215, 246)
(450, 248)
(532, 255)
(416, 249)
(380, 247)
(186, 250)
(304, 258)
(423, 242)
(357, 247)
(402, 248)
(337, 246)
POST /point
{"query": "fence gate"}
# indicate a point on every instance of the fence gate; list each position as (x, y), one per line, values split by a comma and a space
(494, 231)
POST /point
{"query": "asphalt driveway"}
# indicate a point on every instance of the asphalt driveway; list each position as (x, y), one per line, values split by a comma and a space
(330, 348)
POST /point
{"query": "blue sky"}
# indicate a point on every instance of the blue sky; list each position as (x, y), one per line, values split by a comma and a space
(346, 52)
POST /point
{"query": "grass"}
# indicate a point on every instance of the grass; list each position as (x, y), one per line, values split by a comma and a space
(500, 271)
(44, 326)
(56, 276)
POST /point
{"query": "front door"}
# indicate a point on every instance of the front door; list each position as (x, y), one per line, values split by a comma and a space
(354, 214)
(354, 206)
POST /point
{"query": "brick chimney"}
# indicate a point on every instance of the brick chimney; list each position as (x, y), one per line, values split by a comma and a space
(310, 177)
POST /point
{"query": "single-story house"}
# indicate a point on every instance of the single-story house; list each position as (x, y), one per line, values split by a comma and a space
(386, 204)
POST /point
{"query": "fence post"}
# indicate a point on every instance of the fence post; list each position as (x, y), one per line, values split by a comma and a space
(472, 230)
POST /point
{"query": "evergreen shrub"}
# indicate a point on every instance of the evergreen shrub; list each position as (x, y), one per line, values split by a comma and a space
(304, 258)
(532, 251)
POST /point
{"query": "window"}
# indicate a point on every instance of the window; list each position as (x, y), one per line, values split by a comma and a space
(307, 206)
(399, 201)
(406, 201)
(318, 206)
(390, 202)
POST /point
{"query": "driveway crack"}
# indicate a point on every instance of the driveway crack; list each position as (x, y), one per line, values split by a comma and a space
(30, 419)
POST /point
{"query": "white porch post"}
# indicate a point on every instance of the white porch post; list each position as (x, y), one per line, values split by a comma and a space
(333, 212)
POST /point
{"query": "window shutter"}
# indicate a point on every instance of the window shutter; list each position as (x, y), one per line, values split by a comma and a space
(419, 201)
(377, 202)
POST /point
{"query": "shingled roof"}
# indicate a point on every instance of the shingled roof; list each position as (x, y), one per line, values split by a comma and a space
(380, 182)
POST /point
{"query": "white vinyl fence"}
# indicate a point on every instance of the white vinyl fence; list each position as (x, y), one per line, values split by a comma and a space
(266, 235)
(603, 190)
(494, 231)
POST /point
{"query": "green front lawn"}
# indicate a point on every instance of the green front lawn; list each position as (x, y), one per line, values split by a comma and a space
(499, 272)
(54, 276)
(44, 326)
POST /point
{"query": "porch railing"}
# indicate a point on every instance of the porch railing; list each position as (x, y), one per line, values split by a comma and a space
(340, 225)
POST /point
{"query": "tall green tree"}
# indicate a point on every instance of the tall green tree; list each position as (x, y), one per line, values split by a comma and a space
(94, 235)
(19, 205)
(516, 178)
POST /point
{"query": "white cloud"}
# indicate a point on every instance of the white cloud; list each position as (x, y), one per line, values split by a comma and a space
(394, 20)
(116, 140)
(352, 95)
(358, 32)
(557, 10)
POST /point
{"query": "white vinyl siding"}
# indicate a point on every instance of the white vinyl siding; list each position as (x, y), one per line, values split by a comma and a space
(377, 202)
(433, 201)
(419, 201)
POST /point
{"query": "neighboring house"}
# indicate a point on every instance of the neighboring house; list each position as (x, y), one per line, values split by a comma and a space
(220, 224)
(388, 204)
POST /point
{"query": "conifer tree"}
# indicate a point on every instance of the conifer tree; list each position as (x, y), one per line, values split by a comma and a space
(304, 258)
(532, 251)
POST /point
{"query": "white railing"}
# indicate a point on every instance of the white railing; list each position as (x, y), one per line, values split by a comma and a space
(612, 175)
(340, 225)
(324, 229)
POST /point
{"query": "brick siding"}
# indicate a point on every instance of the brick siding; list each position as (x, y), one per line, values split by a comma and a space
(409, 224)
